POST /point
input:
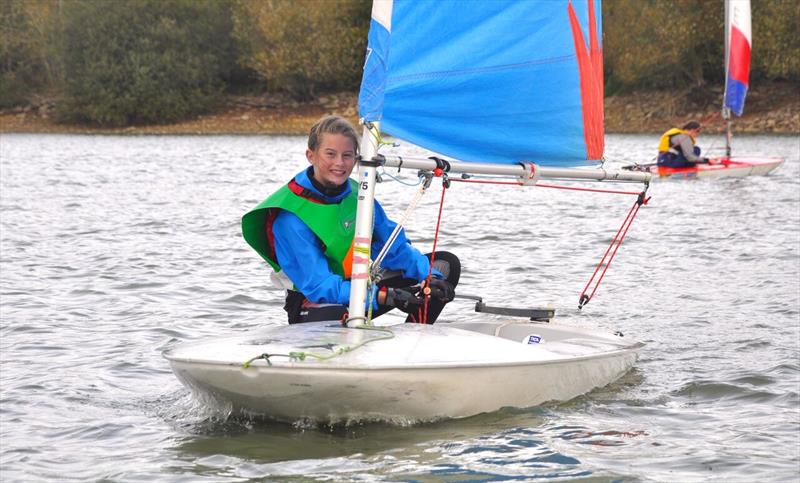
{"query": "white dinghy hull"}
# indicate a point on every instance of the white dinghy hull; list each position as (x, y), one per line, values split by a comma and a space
(421, 373)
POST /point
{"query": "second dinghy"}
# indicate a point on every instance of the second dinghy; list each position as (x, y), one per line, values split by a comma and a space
(737, 167)
(737, 75)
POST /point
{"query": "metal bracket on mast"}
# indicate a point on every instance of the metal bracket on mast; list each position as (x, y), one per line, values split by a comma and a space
(531, 175)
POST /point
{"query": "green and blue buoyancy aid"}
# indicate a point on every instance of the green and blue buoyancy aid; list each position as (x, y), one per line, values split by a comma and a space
(332, 223)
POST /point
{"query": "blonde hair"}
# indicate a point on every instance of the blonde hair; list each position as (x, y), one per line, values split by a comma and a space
(331, 125)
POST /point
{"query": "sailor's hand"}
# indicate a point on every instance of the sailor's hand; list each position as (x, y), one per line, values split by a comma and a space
(439, 289)
(403, 300)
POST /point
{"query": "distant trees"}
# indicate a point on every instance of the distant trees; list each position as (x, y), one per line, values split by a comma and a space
(28, 61)
(303, 47)
(657, 44)
(119, 62)
(776, 49)
(144, 61)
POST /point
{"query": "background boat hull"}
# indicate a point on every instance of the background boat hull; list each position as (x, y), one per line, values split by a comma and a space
(736, 167)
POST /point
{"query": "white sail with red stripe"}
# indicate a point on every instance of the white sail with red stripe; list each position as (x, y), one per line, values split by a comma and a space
(738, 42)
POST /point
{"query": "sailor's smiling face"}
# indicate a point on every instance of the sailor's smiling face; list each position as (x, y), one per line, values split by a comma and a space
(333, 160)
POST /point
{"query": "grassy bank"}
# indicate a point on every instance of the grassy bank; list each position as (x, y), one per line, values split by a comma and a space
(773, 108)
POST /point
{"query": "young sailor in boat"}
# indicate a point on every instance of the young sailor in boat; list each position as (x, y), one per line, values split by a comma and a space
(677, 147)
(305, 232)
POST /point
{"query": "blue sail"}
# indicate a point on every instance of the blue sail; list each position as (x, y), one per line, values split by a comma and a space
(499, 81)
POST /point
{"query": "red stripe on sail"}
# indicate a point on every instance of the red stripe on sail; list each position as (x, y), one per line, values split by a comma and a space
(739, 62)
(590, 69)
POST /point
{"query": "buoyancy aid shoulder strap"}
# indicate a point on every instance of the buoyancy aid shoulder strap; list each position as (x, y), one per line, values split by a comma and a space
(306, 193)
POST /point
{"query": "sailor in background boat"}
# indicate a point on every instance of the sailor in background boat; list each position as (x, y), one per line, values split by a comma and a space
(305, 232)
(677, 147)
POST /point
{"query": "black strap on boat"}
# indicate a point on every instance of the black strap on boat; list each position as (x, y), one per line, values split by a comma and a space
(538, 314)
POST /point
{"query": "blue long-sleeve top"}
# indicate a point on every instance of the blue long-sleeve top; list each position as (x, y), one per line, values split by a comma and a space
(301, 254)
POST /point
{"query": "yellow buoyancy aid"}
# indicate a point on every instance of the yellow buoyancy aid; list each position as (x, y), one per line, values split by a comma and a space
(666, 139)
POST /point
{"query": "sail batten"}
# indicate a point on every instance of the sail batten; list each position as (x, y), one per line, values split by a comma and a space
(501, 81)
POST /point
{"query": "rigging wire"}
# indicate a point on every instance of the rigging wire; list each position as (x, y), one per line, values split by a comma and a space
(399, 180)
(376, 264)
(540, 185)
(616, 242)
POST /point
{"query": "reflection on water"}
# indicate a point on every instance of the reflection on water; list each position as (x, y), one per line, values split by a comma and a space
(272, 441)
(113, 249)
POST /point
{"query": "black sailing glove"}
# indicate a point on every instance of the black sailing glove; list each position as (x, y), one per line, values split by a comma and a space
(403, 300)
(441, 290)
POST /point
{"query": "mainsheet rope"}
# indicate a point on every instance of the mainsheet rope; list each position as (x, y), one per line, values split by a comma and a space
(426, 291)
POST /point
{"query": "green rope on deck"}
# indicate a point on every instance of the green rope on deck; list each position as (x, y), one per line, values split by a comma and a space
(302, 355)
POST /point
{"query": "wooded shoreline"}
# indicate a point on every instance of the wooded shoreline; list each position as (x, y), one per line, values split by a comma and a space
(775, 109)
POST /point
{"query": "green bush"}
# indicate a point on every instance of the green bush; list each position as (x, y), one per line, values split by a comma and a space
(144, 61)
(304, 47)
(675, 44)
(27, 62)
(661, 44)
(776, 43)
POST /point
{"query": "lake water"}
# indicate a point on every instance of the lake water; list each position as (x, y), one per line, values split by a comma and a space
(113, 249)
